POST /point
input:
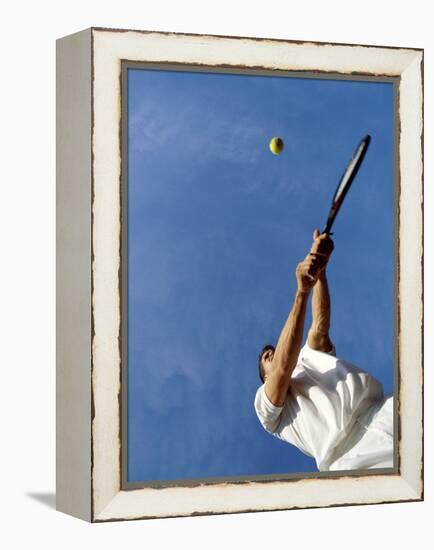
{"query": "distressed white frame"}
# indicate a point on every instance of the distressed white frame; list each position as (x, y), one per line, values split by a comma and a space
(107, 49)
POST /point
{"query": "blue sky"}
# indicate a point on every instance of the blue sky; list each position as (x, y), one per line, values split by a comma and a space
(216, 226)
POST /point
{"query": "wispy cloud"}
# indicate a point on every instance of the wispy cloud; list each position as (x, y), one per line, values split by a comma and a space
(199, 132)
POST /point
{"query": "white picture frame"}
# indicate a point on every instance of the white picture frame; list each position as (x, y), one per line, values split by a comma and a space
(89, 303)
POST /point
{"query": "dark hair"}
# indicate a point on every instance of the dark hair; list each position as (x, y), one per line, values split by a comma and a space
(261, 370)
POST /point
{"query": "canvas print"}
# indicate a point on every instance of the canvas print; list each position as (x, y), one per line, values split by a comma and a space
(259, 342)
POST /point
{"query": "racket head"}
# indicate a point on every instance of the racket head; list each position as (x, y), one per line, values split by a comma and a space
(346, 181)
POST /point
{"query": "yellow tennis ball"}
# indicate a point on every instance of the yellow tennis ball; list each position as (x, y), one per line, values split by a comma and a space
(276, 145)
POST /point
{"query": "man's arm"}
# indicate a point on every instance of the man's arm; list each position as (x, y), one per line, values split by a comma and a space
(318, 336)
(287, 350)
(289, 344)
(290, 339)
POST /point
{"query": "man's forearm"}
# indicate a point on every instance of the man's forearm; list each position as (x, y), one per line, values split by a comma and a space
(290, 340)
(318, 337)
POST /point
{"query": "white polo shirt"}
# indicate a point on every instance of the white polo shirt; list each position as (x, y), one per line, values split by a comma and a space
(334, 412)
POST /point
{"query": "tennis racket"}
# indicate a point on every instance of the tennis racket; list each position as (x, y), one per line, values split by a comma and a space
(346, 181)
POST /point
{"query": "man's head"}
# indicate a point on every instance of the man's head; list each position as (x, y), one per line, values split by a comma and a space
(265, 361)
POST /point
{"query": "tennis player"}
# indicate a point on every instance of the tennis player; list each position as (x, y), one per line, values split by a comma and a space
(328, 408)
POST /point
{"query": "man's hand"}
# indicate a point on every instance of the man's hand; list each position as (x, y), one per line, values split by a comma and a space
(309, 270)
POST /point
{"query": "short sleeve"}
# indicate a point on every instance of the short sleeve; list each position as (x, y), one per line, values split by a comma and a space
(308, 349)
(268, 414)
